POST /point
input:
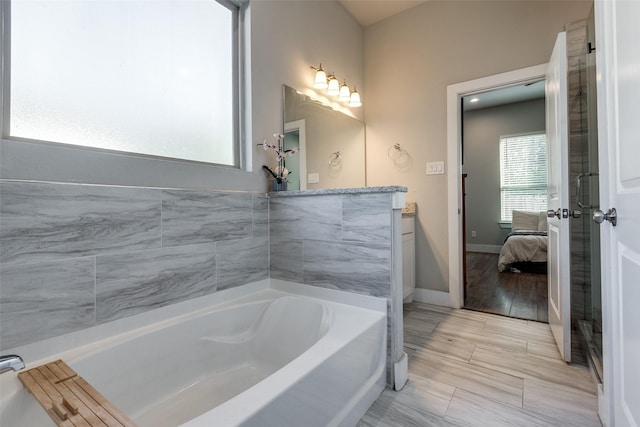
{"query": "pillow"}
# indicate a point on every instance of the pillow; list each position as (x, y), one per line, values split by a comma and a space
(542, 222)
(522, 220)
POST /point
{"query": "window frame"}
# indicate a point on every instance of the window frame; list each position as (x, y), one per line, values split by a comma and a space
(239, 10)
(503, 220)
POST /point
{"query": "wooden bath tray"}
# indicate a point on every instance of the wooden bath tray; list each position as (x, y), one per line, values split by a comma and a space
(69, 399)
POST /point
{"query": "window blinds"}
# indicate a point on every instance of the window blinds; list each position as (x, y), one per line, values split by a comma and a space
(523, 173)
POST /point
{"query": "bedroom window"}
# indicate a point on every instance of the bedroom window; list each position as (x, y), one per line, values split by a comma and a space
(157, 78)
(523, 173)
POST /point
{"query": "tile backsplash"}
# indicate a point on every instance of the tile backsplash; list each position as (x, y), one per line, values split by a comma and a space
(73, 256)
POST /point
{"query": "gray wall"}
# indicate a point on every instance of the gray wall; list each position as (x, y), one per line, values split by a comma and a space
(410, 59)
(482, 131)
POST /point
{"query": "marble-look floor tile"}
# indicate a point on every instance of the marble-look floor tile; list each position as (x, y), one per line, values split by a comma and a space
(543, 349)
(135, 282)
(442, 345)
(424, 393)
(574, 406)
(529, 366)
(190, 217)
(477, 401)
(486, 382)
(386, 412)
(453, 319)
(521, 329)
(420, 323)
(44, 222)
(480, 337)
(477, 410)
(438, 310)
(45, 300)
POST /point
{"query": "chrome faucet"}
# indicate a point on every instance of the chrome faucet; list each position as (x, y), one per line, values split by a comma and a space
(11, 362)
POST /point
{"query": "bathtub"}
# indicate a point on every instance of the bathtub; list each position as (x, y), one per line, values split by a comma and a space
(270, 358)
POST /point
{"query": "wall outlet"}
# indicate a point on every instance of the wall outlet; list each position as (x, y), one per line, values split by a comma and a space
(474, 234)
(435, 168)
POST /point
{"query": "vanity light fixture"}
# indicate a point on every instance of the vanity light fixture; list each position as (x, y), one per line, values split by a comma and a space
(334, 88)
(474, 100)
(354, 98)
(321, 78)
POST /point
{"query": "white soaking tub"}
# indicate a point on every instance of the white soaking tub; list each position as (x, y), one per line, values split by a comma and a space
(272, 358)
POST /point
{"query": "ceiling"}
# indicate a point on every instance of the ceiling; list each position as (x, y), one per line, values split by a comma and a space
(369, 12)
(502, 96)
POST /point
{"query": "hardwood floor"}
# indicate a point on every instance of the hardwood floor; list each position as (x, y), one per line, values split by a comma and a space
(468, 368)
(520, 295)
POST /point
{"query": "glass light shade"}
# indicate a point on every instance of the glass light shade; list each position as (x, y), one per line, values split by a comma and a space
(321, 79)
(345, 93)
(334, 86)
(354, 100)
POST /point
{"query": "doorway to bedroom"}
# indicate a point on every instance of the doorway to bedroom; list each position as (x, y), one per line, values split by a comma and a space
(504, 201)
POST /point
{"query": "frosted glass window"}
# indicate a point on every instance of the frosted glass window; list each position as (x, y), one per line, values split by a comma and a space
(523, 174)
(151, 77)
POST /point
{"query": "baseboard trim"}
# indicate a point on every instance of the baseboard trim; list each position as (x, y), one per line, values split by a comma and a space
(488, 249)
(429, 296)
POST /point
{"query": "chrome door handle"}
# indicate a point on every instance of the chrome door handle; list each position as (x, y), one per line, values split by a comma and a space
(579, 189)
(551, 213)
(599, 217)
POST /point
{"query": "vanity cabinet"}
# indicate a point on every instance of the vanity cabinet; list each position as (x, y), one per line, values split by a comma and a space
(408, 257)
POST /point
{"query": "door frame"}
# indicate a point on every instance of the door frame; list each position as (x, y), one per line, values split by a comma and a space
(300, 126)
(455, 93)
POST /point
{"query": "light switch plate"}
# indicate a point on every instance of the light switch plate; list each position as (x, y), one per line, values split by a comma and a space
(435, 168)
(313, 178)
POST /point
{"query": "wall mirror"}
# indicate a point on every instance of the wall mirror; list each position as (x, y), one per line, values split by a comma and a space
(331, 144)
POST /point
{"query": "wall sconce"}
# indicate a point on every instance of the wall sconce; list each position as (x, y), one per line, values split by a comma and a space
(334, 88)
(345, 93)
(321, 78)
(354, 98)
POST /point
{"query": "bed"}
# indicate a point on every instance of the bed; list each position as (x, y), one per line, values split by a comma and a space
(525, 248)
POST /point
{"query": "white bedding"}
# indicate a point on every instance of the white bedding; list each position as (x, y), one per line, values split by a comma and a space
(522, 247)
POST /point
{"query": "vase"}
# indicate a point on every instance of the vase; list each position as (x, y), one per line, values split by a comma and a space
(279, 186)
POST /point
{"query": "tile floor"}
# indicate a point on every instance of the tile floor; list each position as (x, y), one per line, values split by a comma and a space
(468, 368)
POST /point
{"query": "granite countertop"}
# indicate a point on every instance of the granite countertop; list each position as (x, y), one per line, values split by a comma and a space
(359, 190)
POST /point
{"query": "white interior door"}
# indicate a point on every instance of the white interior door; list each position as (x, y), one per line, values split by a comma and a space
(618, 67)
(558, 197)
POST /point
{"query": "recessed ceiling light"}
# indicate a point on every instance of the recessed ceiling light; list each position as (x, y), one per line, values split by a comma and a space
(474, 100)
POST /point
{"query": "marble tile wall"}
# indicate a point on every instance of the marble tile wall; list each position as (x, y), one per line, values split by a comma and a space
(340, 241)
(73, 256)
(335, 241)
